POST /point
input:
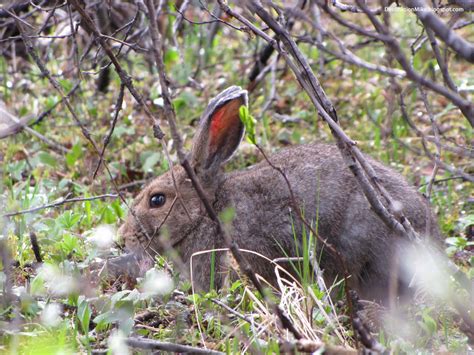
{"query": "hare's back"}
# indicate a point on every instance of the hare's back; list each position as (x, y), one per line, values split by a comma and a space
(321, 180)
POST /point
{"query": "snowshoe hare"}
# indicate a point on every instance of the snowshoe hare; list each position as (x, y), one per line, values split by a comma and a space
(265, 221)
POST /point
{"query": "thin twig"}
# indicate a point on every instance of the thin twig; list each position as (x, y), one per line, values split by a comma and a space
(35, 247)
(429, 18)
(59, 203)
(233, 311)
(125, 78)
(466, 107)
(118, 107)
(351, 8)
(19, 126)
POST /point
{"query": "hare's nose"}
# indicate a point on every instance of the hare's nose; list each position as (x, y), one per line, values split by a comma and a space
(131, 243)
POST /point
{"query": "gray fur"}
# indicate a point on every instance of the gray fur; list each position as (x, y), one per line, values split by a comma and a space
(325, 189)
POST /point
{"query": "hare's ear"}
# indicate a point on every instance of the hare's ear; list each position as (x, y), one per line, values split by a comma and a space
(220, 130)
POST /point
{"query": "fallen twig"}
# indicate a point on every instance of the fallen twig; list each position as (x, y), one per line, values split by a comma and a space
(309, 346)
(149, 344)
(25, 125)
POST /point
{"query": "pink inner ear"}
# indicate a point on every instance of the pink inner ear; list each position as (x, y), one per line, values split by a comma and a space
(224, 122)
(217, 125)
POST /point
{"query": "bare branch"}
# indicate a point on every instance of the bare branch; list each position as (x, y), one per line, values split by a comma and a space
(59, 203)
(352, 8)
(462, 47)
(118, 107)
(91, 27)
(27, 124)
(466, 107)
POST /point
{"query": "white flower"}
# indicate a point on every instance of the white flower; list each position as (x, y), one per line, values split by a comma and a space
(117, 344)
(57, 283)
(51, 315)
(103, 237)
(157, 282)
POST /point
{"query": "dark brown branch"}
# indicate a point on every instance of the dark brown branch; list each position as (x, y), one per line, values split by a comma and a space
(363, 332)
(35, 247)
(267, 51)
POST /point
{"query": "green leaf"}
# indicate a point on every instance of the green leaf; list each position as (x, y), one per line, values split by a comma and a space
(466, 221)
(50, 102)
(249, 124)
(171, 56)
(227, 215)
(68, 219)
(66, 84)
(151, 161)
(73, 155)
(47, 159)
(69, 243)
(84, 314)
(429, 324)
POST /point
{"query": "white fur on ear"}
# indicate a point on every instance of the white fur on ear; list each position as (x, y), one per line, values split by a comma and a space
(231, 93)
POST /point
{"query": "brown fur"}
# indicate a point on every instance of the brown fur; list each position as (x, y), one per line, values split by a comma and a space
(326, 190)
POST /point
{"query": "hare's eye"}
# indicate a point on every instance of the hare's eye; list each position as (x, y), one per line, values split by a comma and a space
(157, 200)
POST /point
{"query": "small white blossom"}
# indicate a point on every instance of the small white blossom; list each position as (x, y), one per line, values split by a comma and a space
(57, 283)
(157, 282)
(117, 344)
(51, 315)
(159, 101)
(103, 237)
